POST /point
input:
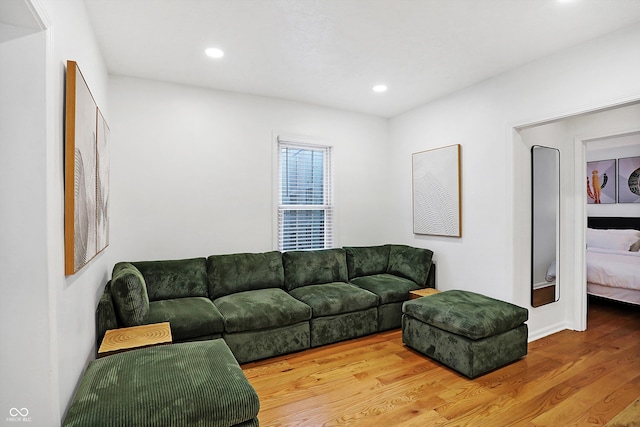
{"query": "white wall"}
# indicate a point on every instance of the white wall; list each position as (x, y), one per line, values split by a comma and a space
(76, 296)
(25, 378)
(492, 257)
(192, 169)
(48, 321)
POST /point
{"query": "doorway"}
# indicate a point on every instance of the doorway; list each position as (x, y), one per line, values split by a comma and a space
(570, 134)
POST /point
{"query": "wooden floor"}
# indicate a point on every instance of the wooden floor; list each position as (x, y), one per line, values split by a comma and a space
(567, 379)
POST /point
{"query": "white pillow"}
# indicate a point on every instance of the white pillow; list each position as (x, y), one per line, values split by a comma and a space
(626, 232)
(551, 272)
(620, 240)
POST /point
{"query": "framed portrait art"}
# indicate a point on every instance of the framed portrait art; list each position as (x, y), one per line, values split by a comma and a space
(601, 182)
(86, 174)
(436, 192)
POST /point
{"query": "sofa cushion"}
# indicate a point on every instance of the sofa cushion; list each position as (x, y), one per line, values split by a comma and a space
(388, 287)
(189, 384)
(261, 309)
(303, 268)
(129, 292)
(367, 260)
(189, 318)
(335, 298)
(466, 313)
(410, 263)
(229, 274)
(174, 278)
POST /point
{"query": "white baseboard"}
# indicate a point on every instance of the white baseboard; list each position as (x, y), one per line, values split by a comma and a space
(549, 330)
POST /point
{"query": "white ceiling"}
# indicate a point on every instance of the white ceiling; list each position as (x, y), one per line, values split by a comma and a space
(17, 20)
(332, 52)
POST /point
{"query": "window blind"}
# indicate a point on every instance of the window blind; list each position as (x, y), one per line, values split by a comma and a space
(305, 188)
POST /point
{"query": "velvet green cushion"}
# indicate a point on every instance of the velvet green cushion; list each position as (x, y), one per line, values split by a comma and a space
(261, 309)
(388, 287)
(129, 292)
(255, 345)
(188, 384)
(335, 298)
(233, 273)
(189, 317)
(303, 268)
(410, 263)
(466, 313)
(174, 278)
(329, 329)
(367, 260)
(106, 317)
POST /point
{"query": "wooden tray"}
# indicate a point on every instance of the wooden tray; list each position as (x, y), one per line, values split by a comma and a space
(122, 339)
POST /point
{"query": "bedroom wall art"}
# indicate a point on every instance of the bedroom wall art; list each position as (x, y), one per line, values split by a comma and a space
(436, 192)
(629, 180)
(601, 182)
(86, 174)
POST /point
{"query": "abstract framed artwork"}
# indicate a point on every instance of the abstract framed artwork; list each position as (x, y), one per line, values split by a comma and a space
(102, 184)
(629, 180)
(436, 192)
(601, 182)
(83, 155)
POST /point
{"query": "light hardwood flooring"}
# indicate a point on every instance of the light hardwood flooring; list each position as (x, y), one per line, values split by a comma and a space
(567, 379)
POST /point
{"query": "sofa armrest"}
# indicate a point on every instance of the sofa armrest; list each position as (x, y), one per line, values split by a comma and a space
(106, 317)
(431, 277)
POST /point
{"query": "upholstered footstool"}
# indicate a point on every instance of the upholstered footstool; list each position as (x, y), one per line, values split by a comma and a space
(468, 332)
(190, 384)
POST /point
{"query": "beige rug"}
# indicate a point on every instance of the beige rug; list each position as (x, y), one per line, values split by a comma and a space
(629, 417)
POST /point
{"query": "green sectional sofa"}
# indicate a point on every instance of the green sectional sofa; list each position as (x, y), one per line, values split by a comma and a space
(271, 303)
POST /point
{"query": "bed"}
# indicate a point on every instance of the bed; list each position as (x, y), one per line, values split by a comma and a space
(613, 258)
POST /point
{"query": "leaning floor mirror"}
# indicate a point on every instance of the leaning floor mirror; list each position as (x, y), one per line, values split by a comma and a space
(545, 225)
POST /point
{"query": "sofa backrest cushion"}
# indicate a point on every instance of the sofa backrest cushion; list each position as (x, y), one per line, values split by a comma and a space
(174, 278)
(367, 260)
(129, 294)
(303, 268)
(228, 274)
(410, 263)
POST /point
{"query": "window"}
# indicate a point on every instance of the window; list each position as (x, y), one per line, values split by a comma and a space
(305, 201)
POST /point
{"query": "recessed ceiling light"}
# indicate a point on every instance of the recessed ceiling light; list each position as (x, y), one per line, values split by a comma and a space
(380, 88)
(214, 52)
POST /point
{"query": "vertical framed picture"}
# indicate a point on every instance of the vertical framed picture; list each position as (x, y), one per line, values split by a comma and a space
(102, 183)
(436, 192)
(601, 182)
(86, 195)
(629, 180)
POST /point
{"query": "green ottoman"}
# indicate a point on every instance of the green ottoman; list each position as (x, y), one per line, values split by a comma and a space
(190, 384)
(468, 332)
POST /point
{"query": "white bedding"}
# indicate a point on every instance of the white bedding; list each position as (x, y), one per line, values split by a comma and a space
(619, 269)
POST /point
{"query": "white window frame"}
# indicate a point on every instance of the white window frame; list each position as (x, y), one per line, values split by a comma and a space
(328, 205)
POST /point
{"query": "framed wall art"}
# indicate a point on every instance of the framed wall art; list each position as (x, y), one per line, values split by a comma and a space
(601, 182)
(436, 192)
(84, 152)
(629, 180)
(102, 184)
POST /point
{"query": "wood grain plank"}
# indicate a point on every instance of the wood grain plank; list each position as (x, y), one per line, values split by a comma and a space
(122, 339)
